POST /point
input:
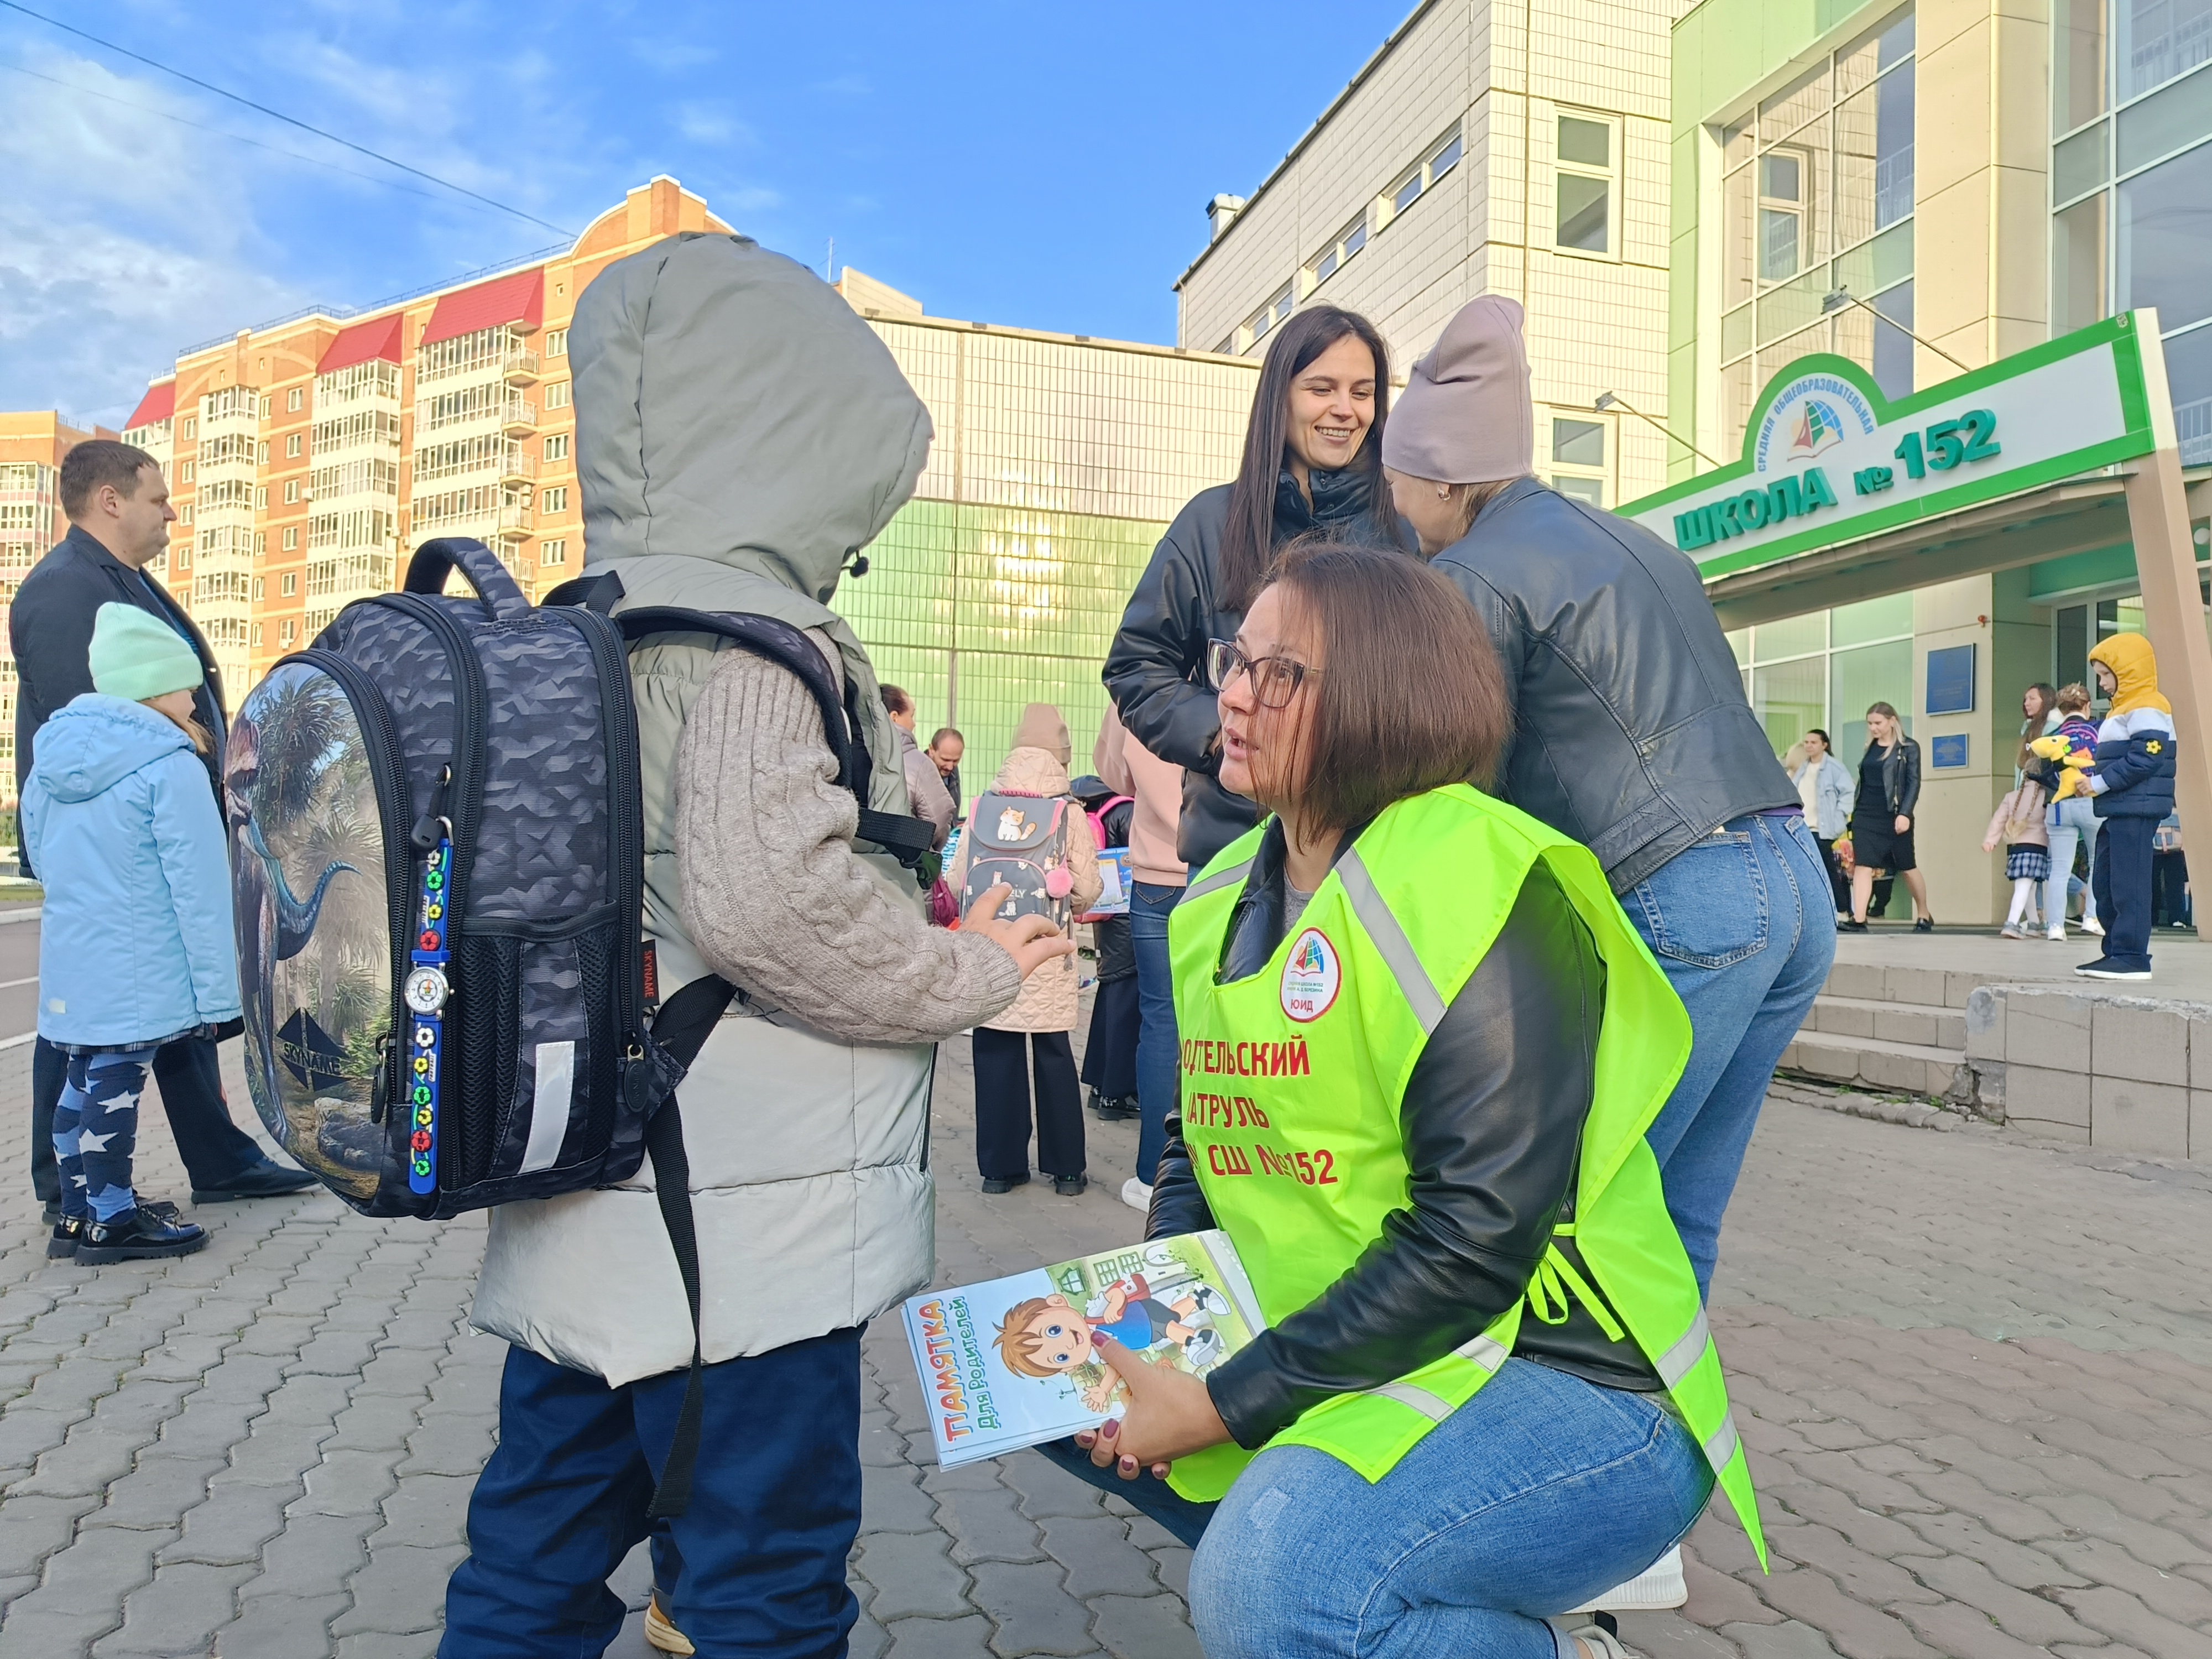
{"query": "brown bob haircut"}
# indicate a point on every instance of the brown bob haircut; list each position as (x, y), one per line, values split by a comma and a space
(1412, 698)
(99, 461)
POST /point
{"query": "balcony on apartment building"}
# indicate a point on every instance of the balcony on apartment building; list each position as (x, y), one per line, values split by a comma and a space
(503, 520)
(502, 458)
(452, 411)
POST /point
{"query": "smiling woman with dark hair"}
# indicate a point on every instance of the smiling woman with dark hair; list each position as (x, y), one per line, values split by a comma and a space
(1486, 1392)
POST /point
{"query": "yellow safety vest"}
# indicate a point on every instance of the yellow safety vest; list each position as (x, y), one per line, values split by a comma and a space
(1293, 1080)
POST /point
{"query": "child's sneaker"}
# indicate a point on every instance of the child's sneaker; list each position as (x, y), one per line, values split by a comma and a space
(2010, 930)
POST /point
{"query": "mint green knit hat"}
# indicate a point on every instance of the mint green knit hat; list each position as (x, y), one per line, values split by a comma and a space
(137, 656)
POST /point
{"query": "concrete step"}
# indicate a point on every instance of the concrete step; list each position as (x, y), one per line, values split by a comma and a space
(1915, 1068)
(1929, 988)
(1892, 1022)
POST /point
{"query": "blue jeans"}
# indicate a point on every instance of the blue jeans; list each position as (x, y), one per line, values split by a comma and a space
(759, 1560)
(1742, 925)
(1150, 905)
(1539, 1493)
(2071, 821)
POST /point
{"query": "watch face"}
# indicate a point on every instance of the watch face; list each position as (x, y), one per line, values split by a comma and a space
(426, 990)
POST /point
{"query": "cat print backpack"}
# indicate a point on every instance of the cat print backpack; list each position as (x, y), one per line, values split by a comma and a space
(1021, 841)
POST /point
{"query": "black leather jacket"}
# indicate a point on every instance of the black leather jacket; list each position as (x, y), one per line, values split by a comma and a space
(1492, 1119)
(1156, 672)
(1900, 779)
(1631, 733)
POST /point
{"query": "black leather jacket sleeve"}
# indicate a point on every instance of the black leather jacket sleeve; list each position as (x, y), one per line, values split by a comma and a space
(1152, 671)
(1903, 775)
(1492, 1121)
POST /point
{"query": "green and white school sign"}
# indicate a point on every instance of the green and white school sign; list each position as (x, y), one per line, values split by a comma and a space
(1827, 459)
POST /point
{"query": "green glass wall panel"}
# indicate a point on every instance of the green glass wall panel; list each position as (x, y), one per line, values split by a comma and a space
(979, 611)
(1869, 675)
(1872, 619)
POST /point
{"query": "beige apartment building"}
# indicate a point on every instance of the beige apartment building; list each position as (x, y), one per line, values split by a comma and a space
(1485, 149)
(309, 456)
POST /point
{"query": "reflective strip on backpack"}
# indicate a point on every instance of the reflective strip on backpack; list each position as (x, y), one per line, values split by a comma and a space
(1216, 882)
(1679, 1361)
(1390, 941)
(1433, 1407)
(1723, 1444)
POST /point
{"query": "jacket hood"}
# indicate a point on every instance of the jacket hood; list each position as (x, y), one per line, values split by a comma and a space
(1032, 771)
(2136, 667)
(96, 742)
(1042, 727)
(730, 406)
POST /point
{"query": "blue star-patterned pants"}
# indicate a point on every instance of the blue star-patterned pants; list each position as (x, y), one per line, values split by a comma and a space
(96, 1131)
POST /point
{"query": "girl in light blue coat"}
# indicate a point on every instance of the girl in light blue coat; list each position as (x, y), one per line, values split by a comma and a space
(136, 946)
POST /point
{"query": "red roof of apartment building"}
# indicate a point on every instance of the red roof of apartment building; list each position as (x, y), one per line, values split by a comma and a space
(519, 298)
(363, 343)
(159, 403)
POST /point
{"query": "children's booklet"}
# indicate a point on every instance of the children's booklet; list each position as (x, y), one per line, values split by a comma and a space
(1013, 1361)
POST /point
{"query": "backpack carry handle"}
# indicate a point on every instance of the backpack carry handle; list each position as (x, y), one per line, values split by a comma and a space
(496, 585)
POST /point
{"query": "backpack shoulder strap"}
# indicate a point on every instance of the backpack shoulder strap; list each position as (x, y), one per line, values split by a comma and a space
(905, 838)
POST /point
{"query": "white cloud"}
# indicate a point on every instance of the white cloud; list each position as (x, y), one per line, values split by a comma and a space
(118, 242)
(711, 124)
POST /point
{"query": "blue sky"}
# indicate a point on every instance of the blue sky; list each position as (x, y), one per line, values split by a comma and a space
(1037, 164)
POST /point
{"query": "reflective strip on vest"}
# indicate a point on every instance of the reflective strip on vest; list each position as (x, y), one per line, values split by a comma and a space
(1485, 1351)
(1722, 1445)
(1216, 882)
(1435, 1407)
(1679, 1361)
(1390, 941)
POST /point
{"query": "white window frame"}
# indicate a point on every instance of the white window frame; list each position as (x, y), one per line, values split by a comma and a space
(1342, 249)
(1600, 474)
(1611, 173)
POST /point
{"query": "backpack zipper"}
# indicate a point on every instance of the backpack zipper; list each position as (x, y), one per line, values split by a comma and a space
(387, 773)
(626, 810)
(465, 793)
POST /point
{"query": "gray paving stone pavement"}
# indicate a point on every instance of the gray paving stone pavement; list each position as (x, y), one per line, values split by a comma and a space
(1975, 1373)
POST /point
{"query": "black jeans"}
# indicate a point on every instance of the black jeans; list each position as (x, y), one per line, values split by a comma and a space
(189, 1074)
(1837, 879)
(1002, 1105)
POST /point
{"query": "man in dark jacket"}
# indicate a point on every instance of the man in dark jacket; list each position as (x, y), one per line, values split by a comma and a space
(120, 515)
(1631, 733)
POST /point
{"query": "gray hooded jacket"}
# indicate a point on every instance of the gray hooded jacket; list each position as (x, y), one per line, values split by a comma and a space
(740, 433)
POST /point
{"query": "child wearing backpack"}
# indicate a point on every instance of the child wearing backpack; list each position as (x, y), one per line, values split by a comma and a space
(1030, 1037)
(1109, 1048)
(136, 947)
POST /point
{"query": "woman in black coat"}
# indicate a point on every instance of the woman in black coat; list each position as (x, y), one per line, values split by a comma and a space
(1312, 461)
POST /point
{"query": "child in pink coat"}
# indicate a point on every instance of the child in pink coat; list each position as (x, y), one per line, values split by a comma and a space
(2018, 823)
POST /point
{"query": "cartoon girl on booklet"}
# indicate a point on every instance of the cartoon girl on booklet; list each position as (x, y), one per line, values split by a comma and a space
(1045, 1337)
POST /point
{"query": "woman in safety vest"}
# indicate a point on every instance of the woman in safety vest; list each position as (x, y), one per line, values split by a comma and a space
(1420, 1045)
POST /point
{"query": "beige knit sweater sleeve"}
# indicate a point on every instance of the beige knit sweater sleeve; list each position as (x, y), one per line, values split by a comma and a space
(776, 899)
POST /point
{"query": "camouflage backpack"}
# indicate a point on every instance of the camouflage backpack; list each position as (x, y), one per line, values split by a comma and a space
(437, 868)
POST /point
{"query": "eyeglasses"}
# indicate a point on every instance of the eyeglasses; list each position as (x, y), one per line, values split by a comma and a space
(1275, 680)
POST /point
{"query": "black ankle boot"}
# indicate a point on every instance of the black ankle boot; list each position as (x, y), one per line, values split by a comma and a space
(137, 1235)
(69, 1233)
